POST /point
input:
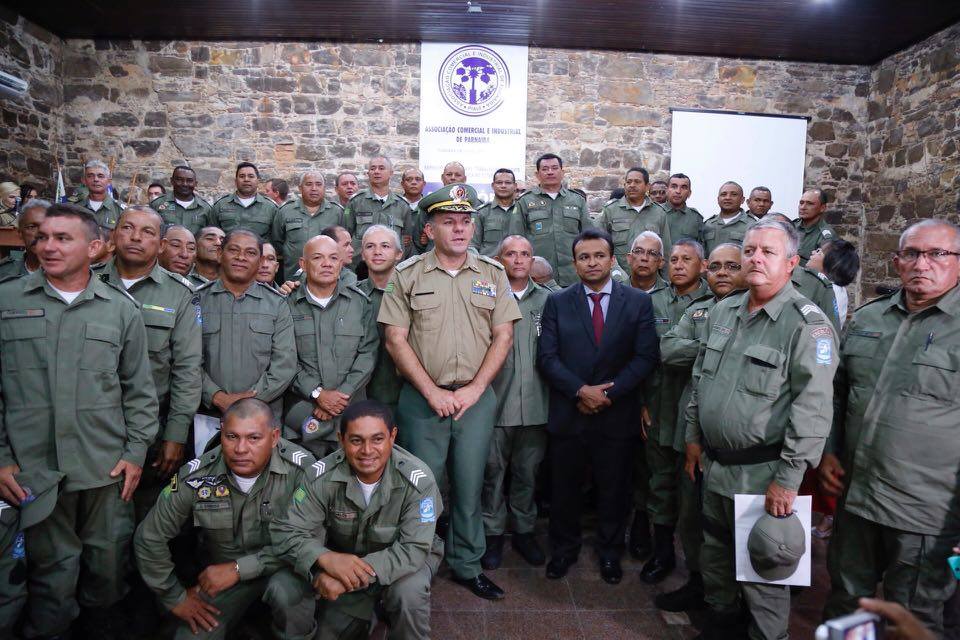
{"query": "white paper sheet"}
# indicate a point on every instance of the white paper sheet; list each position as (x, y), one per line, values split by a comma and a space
(204, 428)
(747, 509)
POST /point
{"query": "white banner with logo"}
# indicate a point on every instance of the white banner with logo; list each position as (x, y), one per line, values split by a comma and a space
(473, 110)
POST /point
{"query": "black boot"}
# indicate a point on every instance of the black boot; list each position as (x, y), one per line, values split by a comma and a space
(640, 545)
(724, 626)
(664, 559)
(689, 597)
(493, 556)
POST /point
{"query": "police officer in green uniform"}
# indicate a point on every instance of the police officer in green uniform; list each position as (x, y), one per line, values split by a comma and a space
(624, 219)
(379, 205)
(520, 438)
(758, 416)
(96, 199)
(41, 487)
(361, 529)
(759, 202)
(206, 268)
(299, 220)
(171, 314)
(337, 342)
(380, 249)
(232, 494)
(550, 216)
(542, 273)
(28, 223)
(183, 206)
(178, 251)
(249, 349)
(730, 225)
(662, 402)
(77, 397)
(683, 221)
(449, 316)
(894, 448)
(811, 223)
(645, 260)
(493, 218)
(246, 208)
(678, 351)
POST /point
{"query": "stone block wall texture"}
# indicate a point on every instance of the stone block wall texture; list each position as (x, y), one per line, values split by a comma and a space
(147, 106)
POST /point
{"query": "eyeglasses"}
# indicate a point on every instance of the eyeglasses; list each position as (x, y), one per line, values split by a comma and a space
(653, 253)
(933, 255)
(716, 267)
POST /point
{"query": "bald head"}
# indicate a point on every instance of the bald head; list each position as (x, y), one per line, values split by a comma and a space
(321, 262)
(453, 172)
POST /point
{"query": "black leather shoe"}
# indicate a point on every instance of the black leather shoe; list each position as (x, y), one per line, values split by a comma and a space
(610, 571)
(664, 558)
(493, 556)
(640, 544)
(689, 597)
(526, 545)
(558, 567)
(482, 587)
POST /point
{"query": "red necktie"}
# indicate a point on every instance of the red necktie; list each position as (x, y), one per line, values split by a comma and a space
(597, 316)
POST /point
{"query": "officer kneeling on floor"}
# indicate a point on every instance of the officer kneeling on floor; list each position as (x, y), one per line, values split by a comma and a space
(231, 493)
(362, 530)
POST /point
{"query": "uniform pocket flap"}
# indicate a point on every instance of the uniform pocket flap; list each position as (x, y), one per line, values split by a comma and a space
(293, 224)
(859, 346)
(717, 341)
(382, 534)
(261, 326)
(618, 225)
(102, 333)
(419, 302)
(159, 319)
(939, 358)
(23, 329)
(538, 214)
(767, 356)
(349, 329)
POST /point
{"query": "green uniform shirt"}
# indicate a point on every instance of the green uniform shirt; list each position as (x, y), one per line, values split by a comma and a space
(714, 232)
(665, 387)
(77, 394)
(624, 223)
(393, 534)
(192, 217)
(294, 226)
(171, 313)
(896, 414)
(386, 381)
(228, 214)
(763, 379)
(108, 213)
(491, 224)
(685, 222)
(234, 526)
(248, 343)
(13, 267)
(336, 344)
(551, 224)
(813, 237)
(818, 288)
(522, 395)
(551, 285)
(365, 210)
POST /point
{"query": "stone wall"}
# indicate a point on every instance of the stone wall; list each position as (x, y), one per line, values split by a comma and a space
(30, 126)
(912, 165)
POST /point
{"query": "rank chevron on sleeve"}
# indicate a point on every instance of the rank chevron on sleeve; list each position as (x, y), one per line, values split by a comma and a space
(194, 464)
(298, 457)
(320, 466)
(415, 476)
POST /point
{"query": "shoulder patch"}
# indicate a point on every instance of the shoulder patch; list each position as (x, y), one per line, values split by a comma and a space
(410, 261)
(826, 233)
(490, 261)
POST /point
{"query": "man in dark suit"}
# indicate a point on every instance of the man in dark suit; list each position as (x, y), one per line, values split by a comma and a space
(597, 345)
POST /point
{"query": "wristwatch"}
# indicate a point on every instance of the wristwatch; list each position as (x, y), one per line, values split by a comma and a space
(316, 393)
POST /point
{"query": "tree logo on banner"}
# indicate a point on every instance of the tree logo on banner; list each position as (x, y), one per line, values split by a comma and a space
(473, 80)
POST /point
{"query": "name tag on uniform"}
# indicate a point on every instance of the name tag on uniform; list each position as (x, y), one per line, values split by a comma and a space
(153, 307)
(661, 321)
(22, 313)
(345, 515)
(484, 288)
(866, 334)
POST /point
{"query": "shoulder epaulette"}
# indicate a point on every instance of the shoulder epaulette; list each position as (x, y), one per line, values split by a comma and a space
(223, 197)
(179, 279)
(117, 287)
(490, 260)
(358, 193)
(199, 463)
(412, 260)
(811, 313)
(413, 471)
(295, 454)
(200, 287)
(704, 298)
(824, 280)
(355, 286)
(12, 276)
(579, 192)
(320, 467)
(271, 289)
(879, 298)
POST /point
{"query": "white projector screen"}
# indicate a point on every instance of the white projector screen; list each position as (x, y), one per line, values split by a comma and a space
(752, 150)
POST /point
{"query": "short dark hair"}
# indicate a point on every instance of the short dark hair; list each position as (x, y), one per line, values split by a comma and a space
(841, 262)
(244, 165)
(280, 186)
(591, 234)
(366, 409)
(641, 170)
(504, 170)
(336, 182)
(767, 189)
(243, 232)
(156, 184)
(658, 182)
(248, 408)
(681, 176)
(331, 232)
(67, 210)
(549, 156)
(183, 167)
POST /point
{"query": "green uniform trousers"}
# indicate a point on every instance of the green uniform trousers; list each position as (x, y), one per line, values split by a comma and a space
(13, 582)
(521, 449)
(641, 478)
(460, 447)
(674, 499)
(912, 567)
(769, 604)
(77, 556)
(406, 603)
(291, 602)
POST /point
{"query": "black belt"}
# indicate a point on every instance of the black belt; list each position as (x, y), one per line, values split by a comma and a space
(452, 387)
(750, 455)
